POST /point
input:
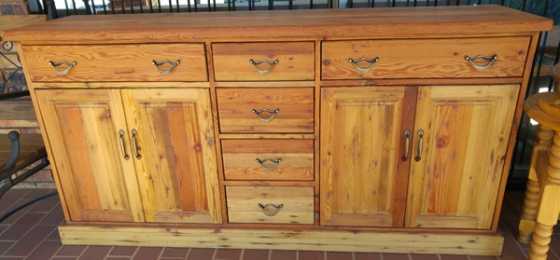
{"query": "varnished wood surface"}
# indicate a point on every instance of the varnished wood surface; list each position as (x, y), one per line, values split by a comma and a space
(295, 110)
(8, 22)
(274, 159)
(361, 135)
(425, 58)
(99, 183)
(327, 23)
(174, 154)
(295, 204)
(232, 61)
(454, 182)
(117, 62)
(289, 239)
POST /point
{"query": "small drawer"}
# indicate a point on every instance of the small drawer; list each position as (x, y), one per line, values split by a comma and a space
(427, 58)
(270, 204)
(134, 62)
(278, 159)
(264, 61)
(265, 110)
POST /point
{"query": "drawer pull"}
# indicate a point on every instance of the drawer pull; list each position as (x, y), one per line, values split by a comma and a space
(269, 164)
(270, 209)
(266, 115)
(264, 66)
(418, 156)
(63, 68)
(363, 65)
(123, 145)
(166, 66)
(481, 63)
(136, 145)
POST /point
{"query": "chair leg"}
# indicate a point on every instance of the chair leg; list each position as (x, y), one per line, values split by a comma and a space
(532, 195)
(540, 242)
(529, 215)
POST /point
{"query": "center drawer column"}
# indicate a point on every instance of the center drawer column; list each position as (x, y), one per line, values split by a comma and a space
(265, 99)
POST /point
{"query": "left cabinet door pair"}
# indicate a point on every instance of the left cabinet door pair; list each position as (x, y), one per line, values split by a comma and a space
(138, 155)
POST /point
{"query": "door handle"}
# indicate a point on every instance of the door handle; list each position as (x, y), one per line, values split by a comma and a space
(418, 156)
(407, 136)
(136, 145)
(122, 141)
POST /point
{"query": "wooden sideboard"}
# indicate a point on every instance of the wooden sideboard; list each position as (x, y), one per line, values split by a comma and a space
(349, 130)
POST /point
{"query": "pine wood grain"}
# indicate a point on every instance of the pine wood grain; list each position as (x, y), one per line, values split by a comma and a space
(466, 132)
(117, 62)
(295, 110)
(177, 171)
(99, 183)
(288, 25)
(426, 58)
(293, 239)
(232, 61)
(295, 159)
(296, 204)
(361, 131)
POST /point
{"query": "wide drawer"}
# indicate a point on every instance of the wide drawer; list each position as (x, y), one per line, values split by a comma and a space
(425, 58)
(270, 204)
(135, 62)
(265, 110)
(278, 159)
(264, 61)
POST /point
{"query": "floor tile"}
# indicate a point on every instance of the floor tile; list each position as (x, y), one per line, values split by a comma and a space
(253, 254)
(391, 256)
(175, 252)
(95, 252)
(123, 251)
(31, 240)
(227, 254)
(148, 253)
(70, 250)
(311, 255)
(201, 254)
(283, 255)
(454, 257)
(45, 250)
(339, 256)
(367, 256)
(424, 257)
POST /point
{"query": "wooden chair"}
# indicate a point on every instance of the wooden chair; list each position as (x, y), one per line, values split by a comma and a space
(541, 207)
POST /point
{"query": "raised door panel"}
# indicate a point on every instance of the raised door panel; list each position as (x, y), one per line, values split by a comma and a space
(174, 152)
(85, 128)
(459, 166)
(363, 177)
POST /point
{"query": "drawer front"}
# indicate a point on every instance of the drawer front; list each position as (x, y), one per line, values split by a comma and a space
(265, 110)
(290, 160)
(428, 58)
(144, 62)
(270, 204)
(264, 61)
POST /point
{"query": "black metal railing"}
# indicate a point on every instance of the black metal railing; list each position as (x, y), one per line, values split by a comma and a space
(548, 53)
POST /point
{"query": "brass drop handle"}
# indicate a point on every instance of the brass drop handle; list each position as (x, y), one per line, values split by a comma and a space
(136, 145)
(418, 156)
(269, 164)
(363, 65)
(270, 209)
(63, 68)
(123, 144)
(480, 62)
(266, 114)
(264, 66)
(407, 136)
(165, 67)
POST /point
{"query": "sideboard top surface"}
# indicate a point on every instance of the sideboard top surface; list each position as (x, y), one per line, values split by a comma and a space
(284, 24)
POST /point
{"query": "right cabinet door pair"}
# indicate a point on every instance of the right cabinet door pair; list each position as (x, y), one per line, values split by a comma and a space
(422, 157)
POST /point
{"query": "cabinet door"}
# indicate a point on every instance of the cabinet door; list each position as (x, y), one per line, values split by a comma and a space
(174, 152)
(86, 130)
(456, 177)
(363, 175)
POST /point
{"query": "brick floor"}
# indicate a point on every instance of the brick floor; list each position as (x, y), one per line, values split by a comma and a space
(31, 234)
